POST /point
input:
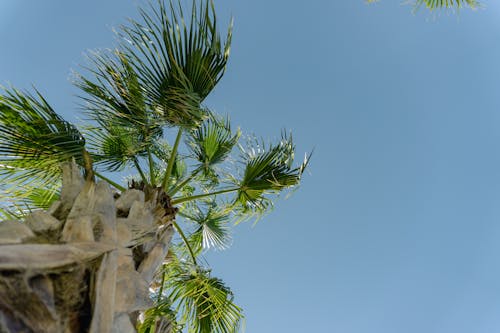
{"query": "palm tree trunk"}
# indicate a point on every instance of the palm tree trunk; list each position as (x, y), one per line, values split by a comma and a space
(85, 264)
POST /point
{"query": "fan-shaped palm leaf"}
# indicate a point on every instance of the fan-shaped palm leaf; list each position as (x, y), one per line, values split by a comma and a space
(212, 142)
(42, 197)
(116, 97)
(205, 303)
(436, 4)
(152, 315)
(178, 62)
(439, 4)
(31, 132)
(212, 228)
(163, 152)
(34, 140)
(115, 100)
(21, 199)
(114, 147)
(268, 171)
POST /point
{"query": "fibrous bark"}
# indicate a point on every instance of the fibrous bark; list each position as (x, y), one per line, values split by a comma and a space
(85, 264)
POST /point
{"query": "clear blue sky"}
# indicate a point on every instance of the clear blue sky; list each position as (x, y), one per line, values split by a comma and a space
(396, 227)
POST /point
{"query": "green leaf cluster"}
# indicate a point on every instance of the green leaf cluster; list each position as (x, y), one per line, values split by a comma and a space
(436, 4)
(205, 302)
(146, 117)
(34, 140)
(178, 62)
(442, 4)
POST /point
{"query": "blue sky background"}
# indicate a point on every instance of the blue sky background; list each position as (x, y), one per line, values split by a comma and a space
(396, 227)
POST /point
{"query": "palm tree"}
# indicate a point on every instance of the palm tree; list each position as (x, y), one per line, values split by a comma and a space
(440, 4)
(80, 252)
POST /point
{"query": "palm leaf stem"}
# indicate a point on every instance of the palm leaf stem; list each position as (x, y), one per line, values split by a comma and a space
(187, 216)
(183, 183)
(109, 181)
(163, 275)
(186, 242)
(88, 165)
(138, 167)
(176, 201)
(151, 167)
(172, 159)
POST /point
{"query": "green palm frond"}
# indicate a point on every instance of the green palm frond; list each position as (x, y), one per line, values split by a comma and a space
(32, 133)
(178, 61)
(19, 200)
(115, 96)
(34, 140)
(437, 4)
(163, 152)
(10, 213)
(212, 229)
(152, 315)
(268, 170)
(204, 302)
(442, 4)
(160, 151)
(115, 101)
(212, 142)
(115, 147)
(43, 197)
(164, 68)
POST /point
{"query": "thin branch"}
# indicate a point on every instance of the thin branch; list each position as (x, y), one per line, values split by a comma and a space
(138, 167)
(163, 275)
(185, 240)
(151, 167)
(172, 159)
(183, 183)
(187, 216)
(176, 201)
(109, 181)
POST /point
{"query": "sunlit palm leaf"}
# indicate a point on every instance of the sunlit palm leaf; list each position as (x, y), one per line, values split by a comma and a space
(17, 201)
(179, 61)
(114, 147)
(9, 213)
(162, 310)
(268, 171)
(115, 96)
(212, 142)
(34, 140)
(160, 151)
(442, 4)
(205, 303)
(436, 4)
(115, 100)
(163, 151)
(31, 132)
(43, 197)
(212, 229)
